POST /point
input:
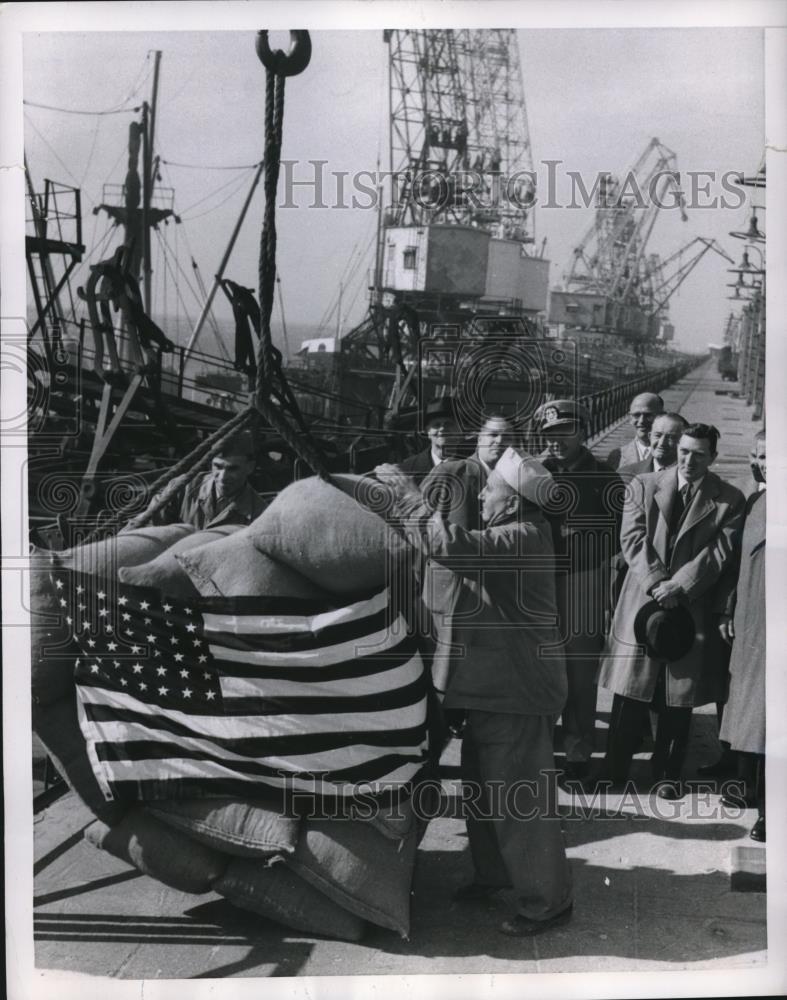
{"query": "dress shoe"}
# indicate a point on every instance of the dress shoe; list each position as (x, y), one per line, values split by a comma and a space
(473, 891)
(521, 926)
(757, 832)
(671, 790)
(725, 767)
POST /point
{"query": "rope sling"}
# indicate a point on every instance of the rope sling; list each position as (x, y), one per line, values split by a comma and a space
(270, 383)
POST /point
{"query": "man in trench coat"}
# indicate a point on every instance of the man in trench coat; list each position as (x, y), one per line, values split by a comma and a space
(676, 551)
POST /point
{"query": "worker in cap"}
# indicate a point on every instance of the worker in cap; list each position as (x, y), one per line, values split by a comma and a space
(508, 675)
(223, 495)
(585, 531)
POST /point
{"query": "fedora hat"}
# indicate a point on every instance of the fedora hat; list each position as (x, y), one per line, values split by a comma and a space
(438, 408)
(666, 633)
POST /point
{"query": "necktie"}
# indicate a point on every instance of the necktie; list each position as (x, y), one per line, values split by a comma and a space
(682, 501)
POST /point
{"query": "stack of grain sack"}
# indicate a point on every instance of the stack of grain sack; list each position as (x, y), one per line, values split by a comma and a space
(327, 876)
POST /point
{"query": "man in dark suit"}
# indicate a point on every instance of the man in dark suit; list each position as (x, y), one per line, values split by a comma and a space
(442, 432)
(680, 533)
(643, 411)
(585, 536)
(664, 436)
(453, 489)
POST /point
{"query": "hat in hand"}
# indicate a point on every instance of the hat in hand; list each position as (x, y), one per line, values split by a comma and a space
(666, 633)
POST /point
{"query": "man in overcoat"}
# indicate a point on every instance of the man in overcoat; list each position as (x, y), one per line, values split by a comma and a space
(585, 536)
(680, 531)
(453, 488)
(643, 411)
(510, 680)
(743, 625)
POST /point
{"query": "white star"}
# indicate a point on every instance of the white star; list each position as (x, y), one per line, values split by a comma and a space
(173, 640)
(196, 642)
(157, 652)
(102, 613)
(124, 682)
(135, 650)
(109, 629)
(147, 621)
(115, 664)
(126, 616)
(150, 637)
(178, 657)
(59, 584)
(143, 686)
(167, 607)
(163, 690)
(191, 627)
(143, 605)
(91, 642)
(187, 611)
(203, 659)
(206, 675)
(161, 671)
(112, 646)
(100, 595)
(81, 606)
(86, 624)
(80, 589)
(210, 695)
(129, 631)
(69, 620)
(94, 668)
(137, 668)
(184, 673)
(63, 602)
(123, 601)
(186, 692)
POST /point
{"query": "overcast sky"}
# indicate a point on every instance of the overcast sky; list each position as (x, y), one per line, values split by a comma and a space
(594, 100)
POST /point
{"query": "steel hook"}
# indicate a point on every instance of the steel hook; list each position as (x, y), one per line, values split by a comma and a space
(289, 63)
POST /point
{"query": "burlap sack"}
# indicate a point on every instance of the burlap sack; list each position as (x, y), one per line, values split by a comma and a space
(159, 851)
(233, 567)
(324, 534)
(245, 828)
(279, 894)
(165, 573)
(359, 868)
(128, 548)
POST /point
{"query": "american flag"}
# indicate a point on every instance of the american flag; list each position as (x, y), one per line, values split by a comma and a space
(232, 696)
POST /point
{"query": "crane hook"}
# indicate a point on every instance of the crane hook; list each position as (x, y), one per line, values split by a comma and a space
(289, 63)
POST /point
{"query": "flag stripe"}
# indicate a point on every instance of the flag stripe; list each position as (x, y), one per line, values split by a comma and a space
(315, 704)
(373, 643)
(272, 624)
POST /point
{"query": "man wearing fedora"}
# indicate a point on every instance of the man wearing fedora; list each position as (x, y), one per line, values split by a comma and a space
(442, 432)
(585, 537)
(643, 410)
(680, 532)
(510, 680)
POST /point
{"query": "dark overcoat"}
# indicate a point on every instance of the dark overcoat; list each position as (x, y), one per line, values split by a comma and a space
(705, 546)
(743, 723)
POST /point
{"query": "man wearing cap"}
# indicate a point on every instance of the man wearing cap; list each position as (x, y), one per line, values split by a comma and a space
(510, 680)
(223, 495)
(585, 538)
(680, 533)
(643, 410)
(442, 432)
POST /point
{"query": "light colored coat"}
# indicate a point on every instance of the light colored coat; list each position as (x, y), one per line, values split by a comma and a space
(626, 455)
(743, 723)
(705, 546)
